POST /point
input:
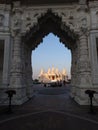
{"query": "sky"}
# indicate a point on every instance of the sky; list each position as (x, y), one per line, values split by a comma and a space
(50, 53)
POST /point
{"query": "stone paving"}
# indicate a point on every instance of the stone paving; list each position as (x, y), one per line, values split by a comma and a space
(50, 108)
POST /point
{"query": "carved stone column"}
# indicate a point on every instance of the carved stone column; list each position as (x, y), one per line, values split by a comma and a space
(84, 70)
(29, 75)
(16, 80)
(28, 71)
(84, 63)
(74, 70)
(16, 69)
(17, 73)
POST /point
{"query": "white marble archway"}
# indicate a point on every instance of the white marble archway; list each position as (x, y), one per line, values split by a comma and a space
(73, 27)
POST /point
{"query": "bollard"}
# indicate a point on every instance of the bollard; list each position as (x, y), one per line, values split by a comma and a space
(10, 95)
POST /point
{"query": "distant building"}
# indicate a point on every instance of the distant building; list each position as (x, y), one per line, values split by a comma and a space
(53, 75)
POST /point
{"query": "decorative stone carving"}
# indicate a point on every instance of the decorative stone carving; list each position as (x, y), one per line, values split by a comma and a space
(1, 20)
(16, 19)
(69, 16)
(84, 22)
(82, 2)
(16, 27)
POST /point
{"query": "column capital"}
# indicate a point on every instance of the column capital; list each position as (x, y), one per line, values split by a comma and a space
(83, 32)
(16, 32)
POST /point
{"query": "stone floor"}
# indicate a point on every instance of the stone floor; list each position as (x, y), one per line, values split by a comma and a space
(50, 108)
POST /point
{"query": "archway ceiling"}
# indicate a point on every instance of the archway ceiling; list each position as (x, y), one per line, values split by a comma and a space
(41, 2)
(50, 24)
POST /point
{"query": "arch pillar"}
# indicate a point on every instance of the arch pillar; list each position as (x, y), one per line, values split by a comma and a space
(74, 68)
(17, 77)
(84, 71)
(28, 72)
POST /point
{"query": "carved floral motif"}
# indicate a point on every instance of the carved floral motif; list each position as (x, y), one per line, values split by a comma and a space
(71, 17)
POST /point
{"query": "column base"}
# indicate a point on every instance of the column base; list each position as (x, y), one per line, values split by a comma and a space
(83, 99)
(3, 96)
(29, 91)
(19, 98)
(72, 93)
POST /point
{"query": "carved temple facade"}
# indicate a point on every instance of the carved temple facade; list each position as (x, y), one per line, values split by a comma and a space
(22, 28)
(53, 76)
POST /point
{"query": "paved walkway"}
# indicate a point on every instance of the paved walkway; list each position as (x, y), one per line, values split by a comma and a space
(50, 108)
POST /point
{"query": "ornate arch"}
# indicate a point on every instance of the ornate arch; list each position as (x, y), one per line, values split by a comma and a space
(33, 23)
(64, 21)
(50, 22)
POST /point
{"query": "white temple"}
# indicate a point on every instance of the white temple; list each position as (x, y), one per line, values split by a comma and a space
(53, 75)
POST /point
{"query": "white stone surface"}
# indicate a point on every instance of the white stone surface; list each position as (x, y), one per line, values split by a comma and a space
(79, 19)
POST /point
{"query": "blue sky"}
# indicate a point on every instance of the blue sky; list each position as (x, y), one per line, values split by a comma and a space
(50, 53)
